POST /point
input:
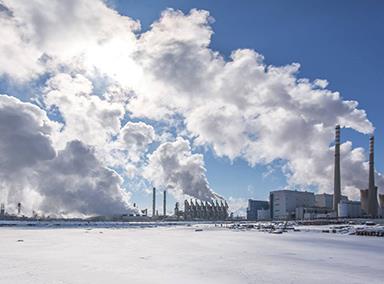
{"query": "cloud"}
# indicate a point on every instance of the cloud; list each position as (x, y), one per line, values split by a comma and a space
(239, 107)
(24, 144)
(44, 37)
(173, 166)
(135, 137)
(242, 108)
(68, 181)
(25, 140)
(76, 182)
(86, 117)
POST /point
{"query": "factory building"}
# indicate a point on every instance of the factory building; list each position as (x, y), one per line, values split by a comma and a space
(283, 203)
(263, 214)
(325, 200)
(205, 210)
(254, 206)
(349, 209)
(310, 213)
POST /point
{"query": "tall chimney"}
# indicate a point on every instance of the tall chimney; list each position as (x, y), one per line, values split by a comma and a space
(372, 189)
(371, 163)
(337, 181)
(154, 202)
(165, 204)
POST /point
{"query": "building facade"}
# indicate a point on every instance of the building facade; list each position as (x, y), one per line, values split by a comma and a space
(311, 213)
(254, 206)
(283, 203)
(349, 209)
(263, 214)
(324, 200)
(205, 210)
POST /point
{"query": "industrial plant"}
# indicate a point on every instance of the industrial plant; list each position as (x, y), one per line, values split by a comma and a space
(282, 204)
(300, 205)
(193, 210)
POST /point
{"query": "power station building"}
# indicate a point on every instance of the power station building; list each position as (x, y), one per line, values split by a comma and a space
(349, 209)
(288, 204)
(213, 210)
(255, 207)
(283, 203)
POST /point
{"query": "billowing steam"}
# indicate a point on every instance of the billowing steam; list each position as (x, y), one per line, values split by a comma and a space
(174, 166)
(71, 181)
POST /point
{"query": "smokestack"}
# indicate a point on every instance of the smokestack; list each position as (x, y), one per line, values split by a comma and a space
(154, 202)
(371, 163)
(165, 204)
(337, 180)
(372, 189)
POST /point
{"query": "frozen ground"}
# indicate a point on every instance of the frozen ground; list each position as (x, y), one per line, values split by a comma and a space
(183, 255)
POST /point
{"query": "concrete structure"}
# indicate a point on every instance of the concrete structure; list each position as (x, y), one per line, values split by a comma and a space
(283, 203)
(154, 202)
(165, 203)
(364, 201)
(372, 189)
(381, 200)
(2, 209)
(263, 214)
(337, 179)
(349, 209)
(205, 210)
(254, 206)
(310, 213)
(381, 204)
(324, 200)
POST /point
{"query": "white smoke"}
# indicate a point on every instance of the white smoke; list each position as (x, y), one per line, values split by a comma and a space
(135, 136)
(72, 181)
(172, 165)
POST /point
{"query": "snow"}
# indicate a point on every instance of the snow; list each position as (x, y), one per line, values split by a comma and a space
(183, 254)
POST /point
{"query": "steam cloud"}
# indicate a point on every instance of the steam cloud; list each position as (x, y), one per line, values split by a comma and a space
(169, 77)
(174, 166)
(69, 182)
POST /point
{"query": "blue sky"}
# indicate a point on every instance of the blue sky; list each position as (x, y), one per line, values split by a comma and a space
(340, 41)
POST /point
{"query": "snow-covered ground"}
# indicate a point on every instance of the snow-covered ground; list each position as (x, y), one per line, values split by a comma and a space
(183, 255)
